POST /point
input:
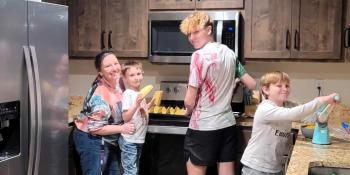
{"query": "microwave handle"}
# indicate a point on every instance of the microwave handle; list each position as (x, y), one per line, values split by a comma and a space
(219, 28)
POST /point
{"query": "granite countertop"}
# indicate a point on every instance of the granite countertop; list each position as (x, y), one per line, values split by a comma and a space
(75, 106)
(337, 154)
(305, 155)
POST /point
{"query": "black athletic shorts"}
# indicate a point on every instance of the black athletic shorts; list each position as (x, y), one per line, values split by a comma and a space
(205, 148)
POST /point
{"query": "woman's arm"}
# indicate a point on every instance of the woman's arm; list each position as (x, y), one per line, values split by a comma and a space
(127, 128)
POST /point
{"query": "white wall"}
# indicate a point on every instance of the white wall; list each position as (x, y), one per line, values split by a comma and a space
(333, 77)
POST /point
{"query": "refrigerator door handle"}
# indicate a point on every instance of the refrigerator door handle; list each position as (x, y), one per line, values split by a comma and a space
(38, 108)
(32, 112)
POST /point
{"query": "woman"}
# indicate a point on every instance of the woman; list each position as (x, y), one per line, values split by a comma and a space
(210, 86)
(100, 120)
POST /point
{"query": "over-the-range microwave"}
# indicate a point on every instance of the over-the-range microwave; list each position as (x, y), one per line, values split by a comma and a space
(168, 45)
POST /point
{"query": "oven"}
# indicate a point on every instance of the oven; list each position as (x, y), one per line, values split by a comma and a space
(174, 92)
(163, 149)
(173, 97)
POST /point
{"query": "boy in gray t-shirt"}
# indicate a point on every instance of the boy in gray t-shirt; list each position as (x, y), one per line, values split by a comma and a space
(272, 125)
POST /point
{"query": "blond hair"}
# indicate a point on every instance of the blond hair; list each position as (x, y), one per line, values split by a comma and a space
(197, 20)
(273, 78)
(131, 63)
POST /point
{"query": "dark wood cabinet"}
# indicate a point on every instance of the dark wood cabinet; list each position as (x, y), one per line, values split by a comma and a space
(117, 25)
(244, 134)
(194, 4)
(126, 24)
(346, 39)
(163, 154)
(289, 29)
(85, 28)
(267, 28)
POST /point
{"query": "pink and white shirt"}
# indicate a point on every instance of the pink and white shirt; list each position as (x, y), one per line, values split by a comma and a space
(212, 71)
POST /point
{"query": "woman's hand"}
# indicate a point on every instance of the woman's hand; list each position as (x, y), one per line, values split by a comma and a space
(128, 128)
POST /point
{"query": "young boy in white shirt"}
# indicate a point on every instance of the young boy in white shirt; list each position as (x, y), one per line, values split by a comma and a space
(135, 110)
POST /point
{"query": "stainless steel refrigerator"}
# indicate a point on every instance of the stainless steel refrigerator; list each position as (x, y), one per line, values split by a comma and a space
(33, 88)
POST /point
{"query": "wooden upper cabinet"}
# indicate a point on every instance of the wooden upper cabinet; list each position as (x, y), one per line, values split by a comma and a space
(267, 28)
(118, 25)
(126, 27)
(194, 4)
(84, 27)
(218, 4)
(346, 38)
(317, 29)
(171, 4)
(300, 29)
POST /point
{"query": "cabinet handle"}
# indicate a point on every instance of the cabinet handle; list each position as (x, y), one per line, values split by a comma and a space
(296, 40)
(347, 37)
(288, 40)
(109, 39)
(103, 40)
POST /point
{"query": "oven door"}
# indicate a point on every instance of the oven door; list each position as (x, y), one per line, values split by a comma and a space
(169, 45)
(167, 39)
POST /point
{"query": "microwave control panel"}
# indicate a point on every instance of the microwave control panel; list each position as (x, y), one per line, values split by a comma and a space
(228, 34)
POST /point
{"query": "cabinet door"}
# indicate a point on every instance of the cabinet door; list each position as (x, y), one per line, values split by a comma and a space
(126, 27)
(218, 4)
(84, 27)
(346, 38)
(171, 4)
(316, 29)
(267, 28)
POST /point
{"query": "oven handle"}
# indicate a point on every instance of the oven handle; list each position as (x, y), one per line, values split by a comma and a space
(177, 130)
(219, 28)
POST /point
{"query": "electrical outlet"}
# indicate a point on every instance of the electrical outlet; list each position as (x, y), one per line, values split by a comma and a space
(319, 84)
(319, 87)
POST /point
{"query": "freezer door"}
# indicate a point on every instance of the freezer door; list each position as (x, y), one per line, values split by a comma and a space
(48, 41)
(13, 36)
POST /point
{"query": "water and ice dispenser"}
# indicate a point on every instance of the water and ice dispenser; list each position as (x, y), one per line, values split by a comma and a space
(9, 129)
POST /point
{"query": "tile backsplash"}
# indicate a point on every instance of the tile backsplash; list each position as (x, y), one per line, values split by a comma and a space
(305, 77)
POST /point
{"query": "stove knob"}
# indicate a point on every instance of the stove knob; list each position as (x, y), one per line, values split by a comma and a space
(167, 90)
(176, 90)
